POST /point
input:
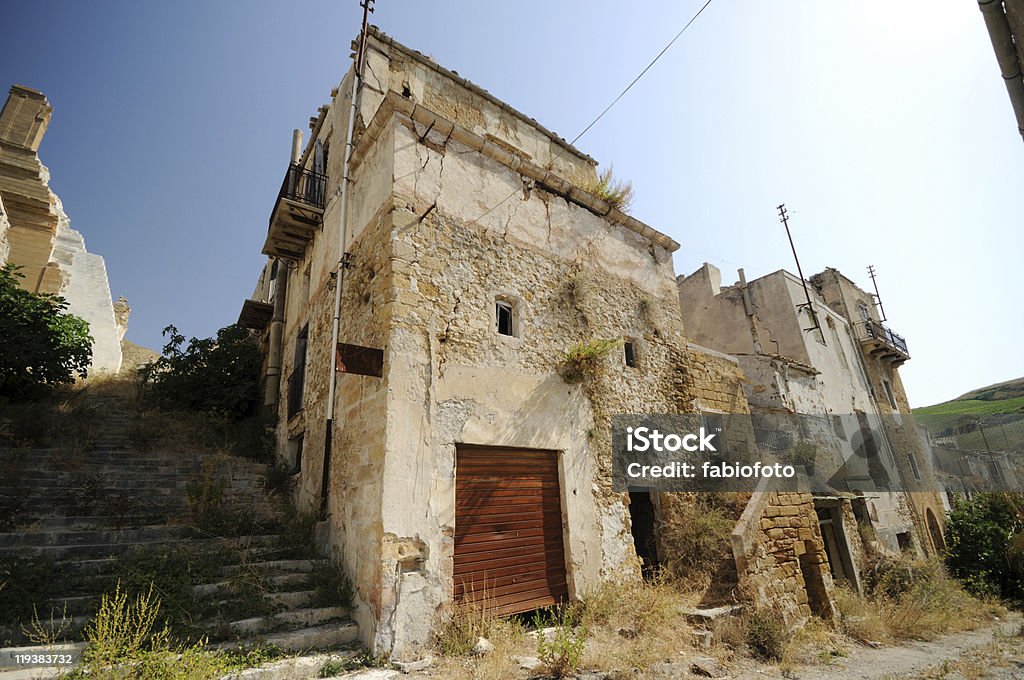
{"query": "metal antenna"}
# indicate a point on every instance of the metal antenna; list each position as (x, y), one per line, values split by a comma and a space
(784, 218)
(878, 298)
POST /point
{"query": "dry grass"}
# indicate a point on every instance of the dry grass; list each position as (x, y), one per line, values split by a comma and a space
(912, 600)
(456, 638)
(634, 625)
(616, 192)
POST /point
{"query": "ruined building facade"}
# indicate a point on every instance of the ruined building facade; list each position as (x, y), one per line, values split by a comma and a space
(36, 233)
(826, 377)
(469, 454)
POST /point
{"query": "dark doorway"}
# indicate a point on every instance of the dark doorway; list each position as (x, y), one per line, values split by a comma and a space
(641, 513)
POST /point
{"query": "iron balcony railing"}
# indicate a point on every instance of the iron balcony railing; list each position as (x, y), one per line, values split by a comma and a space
(304, 186)
(296, 388)
(872, 330)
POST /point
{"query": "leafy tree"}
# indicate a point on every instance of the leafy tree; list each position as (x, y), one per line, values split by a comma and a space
(213, 375)
(40, 344)
(983, 544)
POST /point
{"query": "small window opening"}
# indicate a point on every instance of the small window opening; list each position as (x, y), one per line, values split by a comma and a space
(629, 350)
(503, 317)
(914, 468)
(889, 393)
(862, 309)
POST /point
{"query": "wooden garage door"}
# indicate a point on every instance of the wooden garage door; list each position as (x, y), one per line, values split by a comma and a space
(508, 529)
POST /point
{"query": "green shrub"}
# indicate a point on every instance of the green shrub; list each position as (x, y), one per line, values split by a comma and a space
(42, 344)
(984, 545)
(213, 375)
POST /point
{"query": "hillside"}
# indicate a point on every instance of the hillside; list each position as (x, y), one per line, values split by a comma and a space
(987, 418)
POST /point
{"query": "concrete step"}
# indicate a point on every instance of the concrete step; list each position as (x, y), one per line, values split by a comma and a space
(28, 477)
(273, 567)
(328, 636)
(98, 522)
(290, 620)
(279, 582)
(148, 534)
(99, 550)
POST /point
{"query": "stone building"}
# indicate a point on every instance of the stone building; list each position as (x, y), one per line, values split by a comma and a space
(36, 233)
(814, 379)
(455, 322)
(469, 457)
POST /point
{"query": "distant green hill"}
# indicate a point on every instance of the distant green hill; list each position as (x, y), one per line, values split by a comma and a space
(990, 417)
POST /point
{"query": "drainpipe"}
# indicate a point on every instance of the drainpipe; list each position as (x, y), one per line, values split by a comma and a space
(273, 387)
(1006, 54)
(343, 257)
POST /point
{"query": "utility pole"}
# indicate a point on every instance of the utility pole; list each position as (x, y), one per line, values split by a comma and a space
(344, 258)
(784, 218)
(878, 298)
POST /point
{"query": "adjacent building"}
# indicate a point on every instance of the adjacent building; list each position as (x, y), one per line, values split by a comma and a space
(36, 233)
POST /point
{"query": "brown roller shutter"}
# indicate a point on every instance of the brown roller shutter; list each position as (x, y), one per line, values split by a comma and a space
(508, 529)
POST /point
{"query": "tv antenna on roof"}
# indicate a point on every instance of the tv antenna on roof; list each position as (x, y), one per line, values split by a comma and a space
(784, 218)
(878, 298)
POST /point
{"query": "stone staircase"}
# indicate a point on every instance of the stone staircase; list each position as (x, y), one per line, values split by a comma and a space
(76, 524)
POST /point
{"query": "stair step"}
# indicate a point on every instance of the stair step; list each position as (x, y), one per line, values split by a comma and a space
(315, 637)
(89, 551)
(276, 581)
(298, 618)
(279, 566)
(148, 534)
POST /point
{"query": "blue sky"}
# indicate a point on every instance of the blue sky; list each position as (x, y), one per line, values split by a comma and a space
(883, 126)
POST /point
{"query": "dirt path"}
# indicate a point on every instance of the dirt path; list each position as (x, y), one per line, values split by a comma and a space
(996, 652)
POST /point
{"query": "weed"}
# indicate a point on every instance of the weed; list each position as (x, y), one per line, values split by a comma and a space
(618, 193)
(51, 631)
(694, 535)
(468, 623)
(583, 360)
(333, 667)
(562, 652)
(765, 634)
(279, 479)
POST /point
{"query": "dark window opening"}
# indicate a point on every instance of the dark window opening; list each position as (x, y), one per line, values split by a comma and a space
(297, 380)
(295, 453)
(503, 317)
(903, 540)
(630, 351)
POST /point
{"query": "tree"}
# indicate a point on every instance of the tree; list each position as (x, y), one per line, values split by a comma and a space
(213, 375)
(40, 344)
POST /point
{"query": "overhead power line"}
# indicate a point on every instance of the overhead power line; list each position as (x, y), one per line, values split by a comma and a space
(612, 104)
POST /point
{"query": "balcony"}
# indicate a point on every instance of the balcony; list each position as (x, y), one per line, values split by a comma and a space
(298, 213)
(881, 342)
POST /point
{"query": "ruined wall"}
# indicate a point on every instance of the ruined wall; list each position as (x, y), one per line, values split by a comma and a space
(572, 277)
(781, 557)
(39, 238)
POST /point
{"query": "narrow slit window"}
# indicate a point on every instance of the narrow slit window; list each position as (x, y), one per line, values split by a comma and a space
(629, 349)
(503, 317)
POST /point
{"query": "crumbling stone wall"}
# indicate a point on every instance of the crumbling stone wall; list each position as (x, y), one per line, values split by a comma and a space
(781, 557)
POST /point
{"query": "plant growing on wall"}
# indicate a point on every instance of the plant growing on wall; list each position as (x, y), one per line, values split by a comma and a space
(618, 193)
(583, 360)
(42, 344)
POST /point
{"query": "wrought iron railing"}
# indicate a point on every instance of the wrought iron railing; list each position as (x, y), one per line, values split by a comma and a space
(872, 330)
(304, 186)
(296, 388)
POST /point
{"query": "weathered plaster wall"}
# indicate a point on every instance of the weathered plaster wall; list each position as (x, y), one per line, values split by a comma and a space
(898, 423)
